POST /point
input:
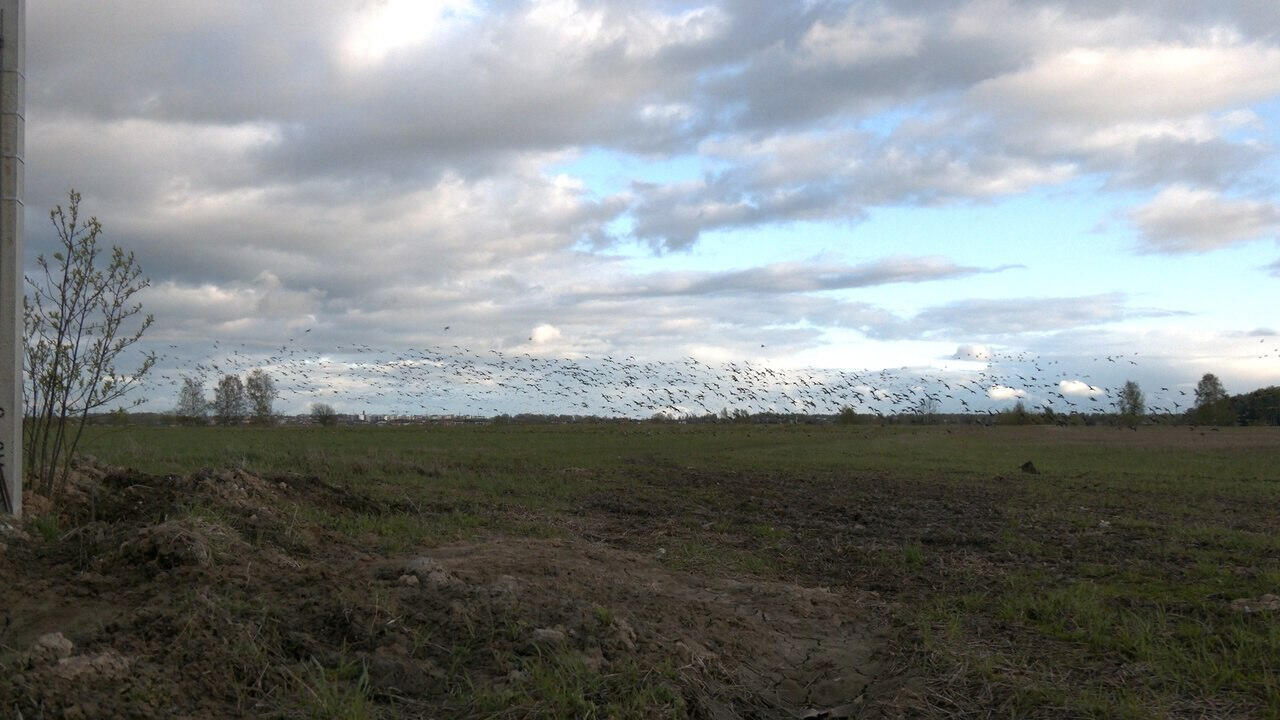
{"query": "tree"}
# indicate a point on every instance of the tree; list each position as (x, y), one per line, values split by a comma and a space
(847, 416)
(1017, 416)
(78, 322)
(1209, 390)
(229, 402)
(1131, 403)
(927, 408)
(193, 408)
(261, 392)
(324, 414)
(1212, 406)
(1260, 407)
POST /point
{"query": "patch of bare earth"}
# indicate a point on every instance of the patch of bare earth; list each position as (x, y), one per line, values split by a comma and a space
(210, 596)
(744, 647)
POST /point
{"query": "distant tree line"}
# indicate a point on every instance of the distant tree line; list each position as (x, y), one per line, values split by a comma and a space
(250, 399)
(1260, 407)
(1213, 407)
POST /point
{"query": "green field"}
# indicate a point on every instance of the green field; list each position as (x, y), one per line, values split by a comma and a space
(1125, 579)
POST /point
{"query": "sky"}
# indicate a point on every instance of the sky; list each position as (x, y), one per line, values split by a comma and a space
(845, 186)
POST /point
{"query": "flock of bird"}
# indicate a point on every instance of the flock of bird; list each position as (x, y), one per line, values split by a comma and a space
(455, 380)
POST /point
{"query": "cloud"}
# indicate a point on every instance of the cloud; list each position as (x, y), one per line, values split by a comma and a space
(378, 90)
(258, 309)
(777, 105)
(1002, 392)
(860, 39)
(1141, 81)
(1013, 316)
(544, 334)
(829, 176)
(394, 25)
(353, 246)
(998, 319)
(377, 170)
(972, 352)
(1140, 102)
(796, 277)
(1182, 219)
(1034, 116)
(1079, 388)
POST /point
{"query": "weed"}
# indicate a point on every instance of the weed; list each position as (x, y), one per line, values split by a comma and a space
(340, 693)
(913, 555)
(47, 526)
(603, 615)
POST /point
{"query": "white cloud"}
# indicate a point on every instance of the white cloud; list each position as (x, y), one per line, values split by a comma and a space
(1078, 388)
(1128, 136)
(1145, 81)
(385, 27)
(972, 352)
(545, 333)
(833, 175)
(1182, 219)
(1003, 392)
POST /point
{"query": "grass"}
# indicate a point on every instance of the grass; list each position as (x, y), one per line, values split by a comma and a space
(399, 531)
(561, 685)
(340, 693)
(48, 527)
(1100, 588)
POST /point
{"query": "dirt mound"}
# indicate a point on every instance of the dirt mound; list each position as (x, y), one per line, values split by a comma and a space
(217, 594)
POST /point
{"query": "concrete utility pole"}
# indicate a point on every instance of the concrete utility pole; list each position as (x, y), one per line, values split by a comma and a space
(13, 92)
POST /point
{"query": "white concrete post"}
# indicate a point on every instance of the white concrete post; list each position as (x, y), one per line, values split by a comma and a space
(13, 68)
